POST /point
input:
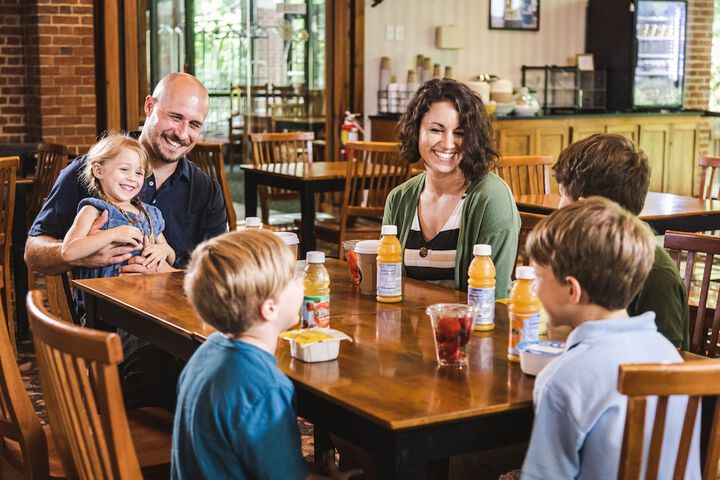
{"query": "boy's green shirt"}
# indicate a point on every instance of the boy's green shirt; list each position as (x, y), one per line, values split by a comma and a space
(489, 215)
(664, 294)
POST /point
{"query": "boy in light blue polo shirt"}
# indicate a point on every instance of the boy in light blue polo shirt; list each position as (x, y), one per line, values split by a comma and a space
(591, 259)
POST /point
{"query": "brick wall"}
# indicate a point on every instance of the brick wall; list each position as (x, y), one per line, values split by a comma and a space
(698, 63)
(47, 72)
(13, 122)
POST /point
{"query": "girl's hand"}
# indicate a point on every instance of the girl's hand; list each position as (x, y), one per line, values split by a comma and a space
(154, 255)
(127, 234)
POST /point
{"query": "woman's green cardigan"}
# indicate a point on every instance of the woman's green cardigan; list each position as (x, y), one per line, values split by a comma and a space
(489, 216)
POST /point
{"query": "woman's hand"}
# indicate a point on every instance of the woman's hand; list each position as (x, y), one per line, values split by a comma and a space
(127, 234)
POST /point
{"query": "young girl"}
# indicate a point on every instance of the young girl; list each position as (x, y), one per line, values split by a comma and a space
(115, 172)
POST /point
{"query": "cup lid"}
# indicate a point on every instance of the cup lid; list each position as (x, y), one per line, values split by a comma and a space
(253, 222)
(482, 249)
(315, 257)
(389, 230)
(367, 246)
(525, 273)
(289, 238)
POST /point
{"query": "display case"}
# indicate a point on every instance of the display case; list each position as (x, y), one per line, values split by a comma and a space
(566, 89)
(642, 46)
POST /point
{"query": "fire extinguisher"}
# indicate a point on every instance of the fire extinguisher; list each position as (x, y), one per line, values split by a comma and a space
(350, 131)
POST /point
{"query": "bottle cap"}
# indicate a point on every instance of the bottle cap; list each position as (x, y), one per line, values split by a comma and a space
(315, 257)
(253, 222)
(389, 230)
(482, 250)
(289, 238)
(525, 273)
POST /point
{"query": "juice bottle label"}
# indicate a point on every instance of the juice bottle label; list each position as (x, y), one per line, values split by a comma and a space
(316, 311)
(485, 299)
(524, 327)
(389, 279)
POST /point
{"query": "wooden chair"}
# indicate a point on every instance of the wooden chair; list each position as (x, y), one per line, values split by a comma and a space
(638, 381)
(526, 174)
(23, 442)
(95, 438)
(289, 147)
(51, 158)
(706, 325)
(374, 169)
(528, 222)
(8, 173)
(708, 169)
(209, 157)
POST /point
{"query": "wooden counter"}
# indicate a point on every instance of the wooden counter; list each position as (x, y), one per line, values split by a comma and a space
(670, 140)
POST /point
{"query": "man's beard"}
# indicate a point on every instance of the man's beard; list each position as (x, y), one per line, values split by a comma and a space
(173, 138)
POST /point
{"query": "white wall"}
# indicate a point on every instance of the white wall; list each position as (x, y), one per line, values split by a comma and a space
(500, 52)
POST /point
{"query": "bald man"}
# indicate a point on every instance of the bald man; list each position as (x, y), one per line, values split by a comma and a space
(192, 203)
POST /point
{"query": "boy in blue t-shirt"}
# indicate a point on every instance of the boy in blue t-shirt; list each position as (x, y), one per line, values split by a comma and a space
(235, 416)
(591, 258)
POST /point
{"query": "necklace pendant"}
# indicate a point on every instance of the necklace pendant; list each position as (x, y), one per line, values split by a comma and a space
(423, 252)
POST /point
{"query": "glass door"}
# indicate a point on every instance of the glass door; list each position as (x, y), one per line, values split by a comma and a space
(660, 62)
(167, 38)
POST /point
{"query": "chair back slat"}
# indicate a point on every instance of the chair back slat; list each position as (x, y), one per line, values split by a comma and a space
(704, 331)
(79, 374)
(526, 174)
(708, 169)
(8, 174)
(289, 148)
(693, 379)
(51, 158)
(209, 157)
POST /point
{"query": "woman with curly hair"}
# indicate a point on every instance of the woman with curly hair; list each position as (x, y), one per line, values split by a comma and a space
(458, 201)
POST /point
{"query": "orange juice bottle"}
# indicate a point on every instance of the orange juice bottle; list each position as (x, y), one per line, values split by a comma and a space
(253, 223)
(481, 287)
(389, 266)
(524, 311)
(316, 300)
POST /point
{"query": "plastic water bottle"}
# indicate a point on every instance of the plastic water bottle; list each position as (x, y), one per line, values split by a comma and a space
(481, 287)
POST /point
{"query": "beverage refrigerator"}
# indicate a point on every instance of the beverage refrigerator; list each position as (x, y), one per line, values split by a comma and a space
(641, 43)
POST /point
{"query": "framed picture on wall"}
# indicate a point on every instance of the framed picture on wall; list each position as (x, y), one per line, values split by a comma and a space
(515, 15)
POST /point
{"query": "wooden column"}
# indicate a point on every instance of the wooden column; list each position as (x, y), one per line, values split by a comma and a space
(344, 66)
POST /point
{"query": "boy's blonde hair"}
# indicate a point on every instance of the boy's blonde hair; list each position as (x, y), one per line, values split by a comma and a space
(231, 275)
(106, 149)
(606, 248)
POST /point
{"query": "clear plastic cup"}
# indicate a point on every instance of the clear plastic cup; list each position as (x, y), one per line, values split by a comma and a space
(352, 260)
(452, 325)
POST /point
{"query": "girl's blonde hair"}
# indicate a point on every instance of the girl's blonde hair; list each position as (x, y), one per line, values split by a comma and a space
(106, 149)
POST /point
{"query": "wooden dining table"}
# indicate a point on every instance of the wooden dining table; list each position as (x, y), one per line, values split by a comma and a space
(663, 211)
(306, 178)
(385, 392)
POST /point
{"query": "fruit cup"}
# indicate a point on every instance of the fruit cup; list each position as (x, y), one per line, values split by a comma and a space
(352, 260)
(452, 327)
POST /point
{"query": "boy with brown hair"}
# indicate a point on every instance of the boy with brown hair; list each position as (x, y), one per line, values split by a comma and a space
(591, 259)
(610, 166)
(235, 415)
